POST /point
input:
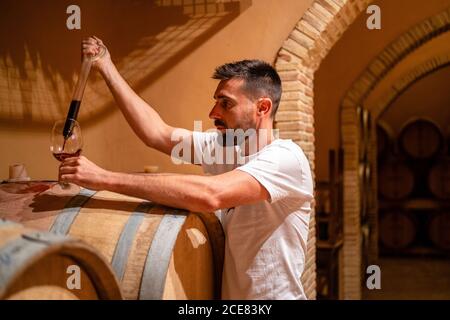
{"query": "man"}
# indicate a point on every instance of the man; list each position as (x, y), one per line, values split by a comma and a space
(262, 192)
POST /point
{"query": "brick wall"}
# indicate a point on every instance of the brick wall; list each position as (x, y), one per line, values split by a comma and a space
(298, 59)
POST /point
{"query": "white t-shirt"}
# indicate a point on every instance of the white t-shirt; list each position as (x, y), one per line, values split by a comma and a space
(265, 242)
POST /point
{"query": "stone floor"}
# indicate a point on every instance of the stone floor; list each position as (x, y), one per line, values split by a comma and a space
(412, 278)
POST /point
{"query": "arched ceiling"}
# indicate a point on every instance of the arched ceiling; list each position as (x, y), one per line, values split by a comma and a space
(350, 57)
(436, 47)
(428, 98)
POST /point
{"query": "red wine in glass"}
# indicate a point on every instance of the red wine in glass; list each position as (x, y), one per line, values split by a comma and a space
(61, 156)
(67, 145)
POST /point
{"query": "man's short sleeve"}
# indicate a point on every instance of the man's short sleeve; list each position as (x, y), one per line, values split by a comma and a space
(283, 171)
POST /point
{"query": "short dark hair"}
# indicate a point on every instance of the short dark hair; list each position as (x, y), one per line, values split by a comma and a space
(260, 79)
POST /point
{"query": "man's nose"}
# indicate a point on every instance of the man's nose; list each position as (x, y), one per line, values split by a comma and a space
(214, 113)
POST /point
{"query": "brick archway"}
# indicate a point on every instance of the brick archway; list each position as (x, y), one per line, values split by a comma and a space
(318, 30)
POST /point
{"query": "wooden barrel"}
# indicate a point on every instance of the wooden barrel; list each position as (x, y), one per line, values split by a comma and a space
(156, 252)
(395, 179)
(364, 132)
(365, 182)
(420, 139)
(397, 230)
(439, 179)
(385, 138)
(45, 266)
(438, 230)
(365, 246)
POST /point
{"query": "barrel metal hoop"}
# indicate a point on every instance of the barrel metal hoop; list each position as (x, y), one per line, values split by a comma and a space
(65, 218)
(15, 254)
(45, 237)
(127, 236)
(159, 254)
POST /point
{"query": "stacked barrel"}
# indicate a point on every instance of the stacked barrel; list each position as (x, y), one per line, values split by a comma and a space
(79, 244)
(367, 197)
(414, 189)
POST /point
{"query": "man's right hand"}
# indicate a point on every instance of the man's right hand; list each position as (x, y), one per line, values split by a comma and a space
(93, 46)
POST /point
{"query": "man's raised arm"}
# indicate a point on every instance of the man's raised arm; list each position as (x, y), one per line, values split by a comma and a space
(143, 119)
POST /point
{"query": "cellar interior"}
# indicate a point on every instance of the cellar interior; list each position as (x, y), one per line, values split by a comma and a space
(383, 180)
(370, 109)
(413, 189)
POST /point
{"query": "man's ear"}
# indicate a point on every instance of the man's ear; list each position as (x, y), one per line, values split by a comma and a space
(264, 106)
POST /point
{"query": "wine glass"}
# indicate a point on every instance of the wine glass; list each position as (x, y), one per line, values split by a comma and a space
(66, 142)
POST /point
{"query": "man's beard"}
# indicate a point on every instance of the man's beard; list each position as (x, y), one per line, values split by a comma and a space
(230, 139)
(235, 137)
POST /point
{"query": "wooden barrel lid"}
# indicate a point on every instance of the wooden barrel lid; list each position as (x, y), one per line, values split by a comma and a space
(365, 176)
(438, 230)
(395, 180)
(33, 262)
(420, 139)
(397, 230)
(364, 132)
(439, 179)
(385, 139)
(44, 293)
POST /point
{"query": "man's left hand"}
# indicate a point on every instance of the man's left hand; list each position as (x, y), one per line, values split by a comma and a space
(83, 172)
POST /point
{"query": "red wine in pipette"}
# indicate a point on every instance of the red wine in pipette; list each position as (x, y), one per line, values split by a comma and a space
(72, 115)
(74, 107)
(64, 155)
